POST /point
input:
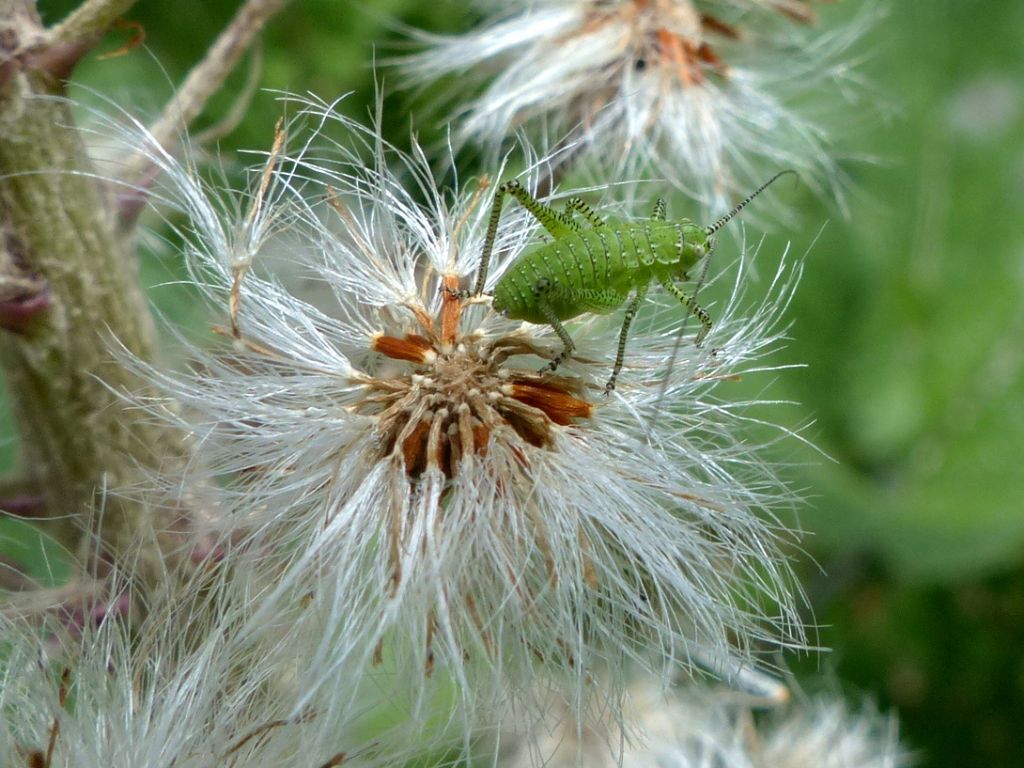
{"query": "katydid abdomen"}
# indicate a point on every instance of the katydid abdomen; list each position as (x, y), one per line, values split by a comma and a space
(593, 270)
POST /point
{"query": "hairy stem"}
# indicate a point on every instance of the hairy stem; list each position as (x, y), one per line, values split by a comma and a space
(89, 20)
(57, 233)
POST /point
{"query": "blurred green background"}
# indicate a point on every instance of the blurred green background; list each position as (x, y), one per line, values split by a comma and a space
(910, 319)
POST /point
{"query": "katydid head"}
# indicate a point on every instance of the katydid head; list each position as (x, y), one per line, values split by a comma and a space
(691, 244)
(743, 203)
(701, 243)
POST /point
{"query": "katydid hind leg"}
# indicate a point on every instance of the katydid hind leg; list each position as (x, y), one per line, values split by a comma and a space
(557, 224)
(492, 231)
(576, 204)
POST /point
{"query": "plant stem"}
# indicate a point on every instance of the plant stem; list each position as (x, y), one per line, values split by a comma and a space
(57, 229)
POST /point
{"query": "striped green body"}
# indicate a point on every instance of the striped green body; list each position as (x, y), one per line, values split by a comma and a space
(595, 269)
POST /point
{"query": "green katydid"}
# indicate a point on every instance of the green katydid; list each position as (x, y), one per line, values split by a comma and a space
(593, 266)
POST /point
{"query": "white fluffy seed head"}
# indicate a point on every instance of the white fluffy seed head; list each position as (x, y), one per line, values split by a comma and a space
(176, 687)
(408, 500)
(713, 97)
(826, 733)
(692, 727)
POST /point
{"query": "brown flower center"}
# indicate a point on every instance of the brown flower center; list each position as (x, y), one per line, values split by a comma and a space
(674, 36)
(458, 393)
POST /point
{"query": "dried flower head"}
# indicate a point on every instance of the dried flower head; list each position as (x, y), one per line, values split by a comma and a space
(693, 727)
(825, 733)
(171, 689)
(413, 495)
(708, 95)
